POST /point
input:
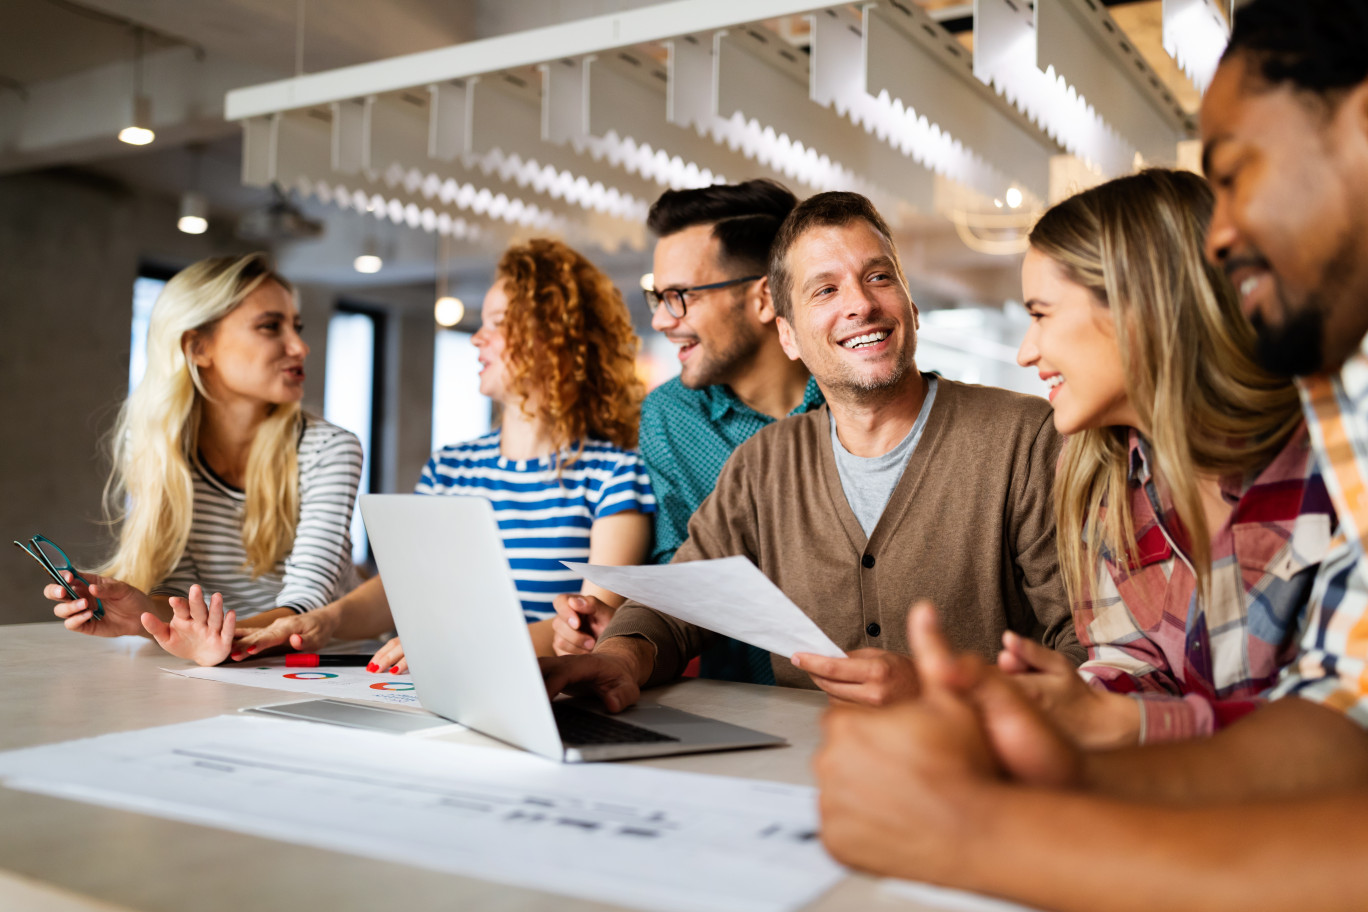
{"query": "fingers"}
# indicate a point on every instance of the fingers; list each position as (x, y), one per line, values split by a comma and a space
(199, 611)
(387, 657)
(401, 667)
(159, 629)
(229, 624)
(848, 670)
(1026, 744)
(180, 608)
(1035, 656)
(77, 621)
(215, 613)
(568, 640)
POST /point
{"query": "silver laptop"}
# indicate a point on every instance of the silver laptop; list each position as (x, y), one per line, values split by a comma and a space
(457, 610)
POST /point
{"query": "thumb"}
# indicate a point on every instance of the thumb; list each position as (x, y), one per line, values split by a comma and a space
(160, 630)
(935, 662)
(296, 641)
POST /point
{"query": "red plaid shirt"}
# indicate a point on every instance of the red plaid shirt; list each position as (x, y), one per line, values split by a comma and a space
(1196, 666)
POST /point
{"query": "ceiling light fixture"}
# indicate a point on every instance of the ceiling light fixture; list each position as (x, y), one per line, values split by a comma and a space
(369, 261)
(194, 213)
(449, 310)
(139, 131)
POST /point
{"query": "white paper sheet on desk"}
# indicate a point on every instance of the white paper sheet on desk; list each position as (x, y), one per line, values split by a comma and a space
(728, 595)
(338, 681)
(632, 835)
(944, 898)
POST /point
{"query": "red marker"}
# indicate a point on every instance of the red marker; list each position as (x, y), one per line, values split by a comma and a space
(314, 660)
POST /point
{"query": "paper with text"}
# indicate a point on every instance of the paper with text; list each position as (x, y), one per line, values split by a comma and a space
(636, 836)
(338, 681)
(728, 595)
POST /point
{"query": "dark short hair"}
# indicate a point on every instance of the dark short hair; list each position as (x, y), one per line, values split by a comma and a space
(745, 218)
(1318, 46)
(834, 209)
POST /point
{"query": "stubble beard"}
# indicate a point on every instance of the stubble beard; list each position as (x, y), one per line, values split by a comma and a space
(723, 361)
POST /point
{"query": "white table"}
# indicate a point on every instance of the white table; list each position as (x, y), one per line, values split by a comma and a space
(56, 686)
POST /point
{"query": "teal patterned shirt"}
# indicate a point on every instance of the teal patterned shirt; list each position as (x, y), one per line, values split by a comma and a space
(686, 437)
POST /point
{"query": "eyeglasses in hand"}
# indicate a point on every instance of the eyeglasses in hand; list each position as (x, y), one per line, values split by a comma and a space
(54, 560)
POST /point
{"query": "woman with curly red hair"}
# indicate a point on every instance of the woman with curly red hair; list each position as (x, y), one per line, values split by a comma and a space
(558, 354)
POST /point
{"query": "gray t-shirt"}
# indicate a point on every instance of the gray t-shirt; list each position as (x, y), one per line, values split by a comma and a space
(869, 481)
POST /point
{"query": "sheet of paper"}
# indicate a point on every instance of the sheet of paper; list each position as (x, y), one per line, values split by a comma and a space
(934, 897)
(341, 682)
(728, 595)
(636, 836)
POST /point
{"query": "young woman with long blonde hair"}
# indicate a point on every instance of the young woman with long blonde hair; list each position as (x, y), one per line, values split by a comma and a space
(1190, 511)
(558, 353)
(220, 483)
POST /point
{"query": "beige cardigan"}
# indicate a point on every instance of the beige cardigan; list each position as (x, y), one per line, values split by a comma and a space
(970, 526)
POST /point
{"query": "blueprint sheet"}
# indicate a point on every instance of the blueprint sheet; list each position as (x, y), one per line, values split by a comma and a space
(640, 837)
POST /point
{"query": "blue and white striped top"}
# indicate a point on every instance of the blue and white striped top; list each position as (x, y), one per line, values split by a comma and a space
(544, 519)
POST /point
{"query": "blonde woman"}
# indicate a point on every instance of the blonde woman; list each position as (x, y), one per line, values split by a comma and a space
(1191, 513)
(558, 353)
(220, 482)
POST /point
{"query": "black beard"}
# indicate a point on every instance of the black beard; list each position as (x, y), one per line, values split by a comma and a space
(1296, 348)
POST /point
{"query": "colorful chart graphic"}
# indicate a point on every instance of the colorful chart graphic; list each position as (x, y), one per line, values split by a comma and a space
(392, 685)
(310, 675)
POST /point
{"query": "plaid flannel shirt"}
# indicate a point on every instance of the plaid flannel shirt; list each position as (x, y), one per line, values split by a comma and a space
(1332, 666)
(1196, 665)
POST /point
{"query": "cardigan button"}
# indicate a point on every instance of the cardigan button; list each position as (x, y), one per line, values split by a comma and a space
(867, 561)
(873, 629)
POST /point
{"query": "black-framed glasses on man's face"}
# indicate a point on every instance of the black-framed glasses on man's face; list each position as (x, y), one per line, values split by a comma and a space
(54, 561)
(676, 300)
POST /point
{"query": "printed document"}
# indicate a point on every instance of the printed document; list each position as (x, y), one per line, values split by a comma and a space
(728, 595)
(631, 835)
(337, 681)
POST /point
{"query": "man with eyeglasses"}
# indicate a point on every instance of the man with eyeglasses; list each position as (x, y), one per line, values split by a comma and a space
(711, 298)
(902, 486)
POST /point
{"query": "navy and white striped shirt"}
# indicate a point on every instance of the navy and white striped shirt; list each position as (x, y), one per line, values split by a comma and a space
(318, 568)
(543, 518)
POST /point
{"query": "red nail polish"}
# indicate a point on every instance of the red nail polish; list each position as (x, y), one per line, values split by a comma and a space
(372, 667)
(394, 670)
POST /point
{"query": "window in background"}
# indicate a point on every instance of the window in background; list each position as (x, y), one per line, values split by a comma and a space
(350, 397)
(978, 345)
(146, 288)
(459, 412)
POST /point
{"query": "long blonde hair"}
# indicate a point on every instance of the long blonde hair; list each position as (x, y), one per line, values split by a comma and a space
(1186, 352)
(150, 491)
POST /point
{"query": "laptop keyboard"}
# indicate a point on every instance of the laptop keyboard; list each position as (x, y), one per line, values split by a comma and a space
(580, 726)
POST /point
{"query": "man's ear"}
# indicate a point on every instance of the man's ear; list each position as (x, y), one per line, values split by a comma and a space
(762, 301)
(787, 340)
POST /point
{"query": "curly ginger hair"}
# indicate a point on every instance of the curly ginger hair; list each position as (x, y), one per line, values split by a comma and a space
(569, 340)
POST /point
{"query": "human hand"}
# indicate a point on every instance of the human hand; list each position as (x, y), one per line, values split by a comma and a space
(390, 658)
(123, 605)
(871, 677)
(580, 620)
(903, 788)
(1024, 742)
(307, 632)
(1095, 719)
(200, 632)
(612, 674)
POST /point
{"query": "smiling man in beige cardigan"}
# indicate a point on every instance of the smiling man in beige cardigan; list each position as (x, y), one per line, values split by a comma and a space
(904, 487)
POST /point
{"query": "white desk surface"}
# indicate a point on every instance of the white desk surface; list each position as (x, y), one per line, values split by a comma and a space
(65, 855)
